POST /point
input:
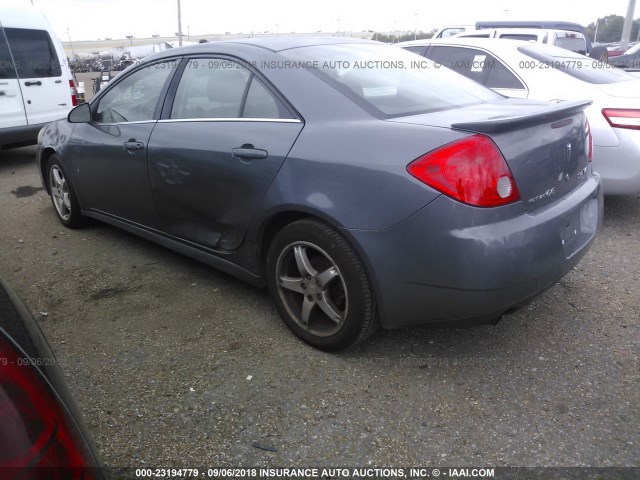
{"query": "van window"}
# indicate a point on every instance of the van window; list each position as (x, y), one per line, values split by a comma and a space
(6, 64)
(34, 55)
(519, 36)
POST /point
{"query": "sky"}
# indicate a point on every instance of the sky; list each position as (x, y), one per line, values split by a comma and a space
(99, 19)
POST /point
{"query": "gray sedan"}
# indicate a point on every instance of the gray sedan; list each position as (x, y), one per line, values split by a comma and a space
(362, 187)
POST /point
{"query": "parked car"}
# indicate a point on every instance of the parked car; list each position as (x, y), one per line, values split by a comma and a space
(566, 39)
(594, 51)
(548, 32)
(358, 189)
(550, 74)
(629, 60)
(42, 435)
(36, 86)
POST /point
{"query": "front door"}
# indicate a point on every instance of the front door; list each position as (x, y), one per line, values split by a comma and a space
(110, 152)
(11, 108)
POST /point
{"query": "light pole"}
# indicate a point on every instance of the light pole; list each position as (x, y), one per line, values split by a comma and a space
(73, 54)
(415, 26)
(179, 25)
(188, 33)
(628, 23)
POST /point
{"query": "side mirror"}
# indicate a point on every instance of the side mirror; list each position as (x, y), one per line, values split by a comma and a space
(80, 114)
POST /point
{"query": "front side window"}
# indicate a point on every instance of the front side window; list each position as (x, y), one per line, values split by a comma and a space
(134, 99)
(34, 55)
(7, 69)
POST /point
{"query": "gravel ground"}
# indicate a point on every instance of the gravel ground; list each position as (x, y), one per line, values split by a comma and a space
(176, 364)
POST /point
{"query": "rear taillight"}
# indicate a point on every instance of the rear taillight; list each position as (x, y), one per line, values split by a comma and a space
(622, 117)
(588, 139)
(37, 439)
(471, 170)
(74, 97)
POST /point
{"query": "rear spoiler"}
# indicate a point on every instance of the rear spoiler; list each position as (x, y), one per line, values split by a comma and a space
(502, 123)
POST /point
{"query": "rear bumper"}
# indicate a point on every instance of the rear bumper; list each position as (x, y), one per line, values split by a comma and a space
(20, 136)
(452, 263)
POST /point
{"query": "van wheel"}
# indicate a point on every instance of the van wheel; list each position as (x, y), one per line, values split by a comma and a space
(320, 287)
(63, 196)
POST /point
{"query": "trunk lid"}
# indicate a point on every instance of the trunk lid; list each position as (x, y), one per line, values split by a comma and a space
(544, 144)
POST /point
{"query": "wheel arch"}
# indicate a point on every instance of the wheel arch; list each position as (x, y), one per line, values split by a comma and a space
(280, 219)
(44, 161)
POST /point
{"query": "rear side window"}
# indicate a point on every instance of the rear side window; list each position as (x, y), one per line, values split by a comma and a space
(501, 77)
(471, 63)
(416, 49)
(219, 88)
(6, 63)
(34, 55)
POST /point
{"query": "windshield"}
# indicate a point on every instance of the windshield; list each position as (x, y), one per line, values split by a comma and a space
(578, 66)
(388, 81)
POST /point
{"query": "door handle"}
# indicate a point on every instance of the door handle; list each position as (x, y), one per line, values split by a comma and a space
(250, 153)
(29, 84)
(133, 145)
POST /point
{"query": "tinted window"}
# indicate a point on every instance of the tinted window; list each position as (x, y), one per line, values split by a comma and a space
(419, 49)
(573, 43)
(211, 88)
(519, 36)
(450, 32)
(578, 66)
(6, 63)
(33, 53)
(501, 77)
(388, 81)
(260, 103)
(135, 98)
(471, 63)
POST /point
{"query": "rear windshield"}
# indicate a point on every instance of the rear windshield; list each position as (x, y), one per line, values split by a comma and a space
(578, 66)
(574, 43)
(389, 81)
(34, 55)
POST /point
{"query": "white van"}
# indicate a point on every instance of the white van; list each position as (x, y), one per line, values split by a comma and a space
(36, 86)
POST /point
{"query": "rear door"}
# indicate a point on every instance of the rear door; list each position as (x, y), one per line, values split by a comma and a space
(216, 151)
(45, 88)
(12, 112)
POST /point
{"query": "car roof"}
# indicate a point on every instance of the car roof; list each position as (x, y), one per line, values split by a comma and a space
(277, 43)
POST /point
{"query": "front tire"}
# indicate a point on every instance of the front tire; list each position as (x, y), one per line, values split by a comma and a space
(320, 287)
(63, 195)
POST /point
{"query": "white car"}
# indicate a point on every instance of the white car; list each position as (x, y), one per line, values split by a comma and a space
(543, 72)
(36, 86)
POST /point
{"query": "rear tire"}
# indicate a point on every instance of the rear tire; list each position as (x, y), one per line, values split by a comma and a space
(320, 287)
(63, 195)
